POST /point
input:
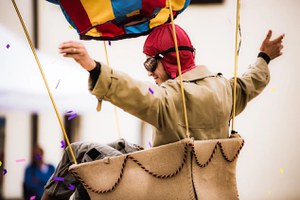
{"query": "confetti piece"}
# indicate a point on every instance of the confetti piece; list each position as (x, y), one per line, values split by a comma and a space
(273, 90)
(7, 46)
(150, 145)
(0, 163)
(71, 187)
(57, 84)
(109, 42)
(151, 91)
(72, 116)
(38, 157)
(58, 178)
(20, 160)
(4, 171)
(229, 21)
(281, 170)
(32, 198)
(63, 144)
(70, 26)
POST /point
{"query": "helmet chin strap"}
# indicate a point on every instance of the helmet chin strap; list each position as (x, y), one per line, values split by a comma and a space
(173, 75)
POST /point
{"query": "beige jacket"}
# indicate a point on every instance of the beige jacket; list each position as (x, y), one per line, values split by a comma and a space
(208, 99)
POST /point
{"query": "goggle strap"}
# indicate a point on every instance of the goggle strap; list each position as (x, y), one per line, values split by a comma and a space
(172, 49)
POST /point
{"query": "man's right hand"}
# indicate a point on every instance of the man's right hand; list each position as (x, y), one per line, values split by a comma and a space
(78, 52)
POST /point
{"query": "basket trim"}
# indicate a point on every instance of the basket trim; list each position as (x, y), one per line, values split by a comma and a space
(213, 153)
(162, 176)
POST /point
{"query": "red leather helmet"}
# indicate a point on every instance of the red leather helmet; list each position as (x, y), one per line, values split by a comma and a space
(160, 44)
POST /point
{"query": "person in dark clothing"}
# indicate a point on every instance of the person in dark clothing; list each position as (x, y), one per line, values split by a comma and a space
(36, 175)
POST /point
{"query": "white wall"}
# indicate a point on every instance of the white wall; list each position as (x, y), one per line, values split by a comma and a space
(269, 164)
(102, 126)
(9, 18)
(16, 146)
(50, 136)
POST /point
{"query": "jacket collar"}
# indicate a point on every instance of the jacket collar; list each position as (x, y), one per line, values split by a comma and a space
(199, 72)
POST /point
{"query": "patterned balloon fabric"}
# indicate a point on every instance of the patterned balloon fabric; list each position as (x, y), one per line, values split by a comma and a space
(117, 19)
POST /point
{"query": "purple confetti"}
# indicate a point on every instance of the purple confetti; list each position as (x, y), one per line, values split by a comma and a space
(151, 91)
(109, 42)
(4, 171)
(38, 157)
(71, 187)
(72, 116)
(21, 160)
(57, 84)
(63, 144)
(58, 179)
(7, 46)
(150, 145)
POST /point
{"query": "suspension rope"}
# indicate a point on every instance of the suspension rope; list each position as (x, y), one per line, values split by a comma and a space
(179, 71)
(237, 49)
(115, 108)
(45, 81)
(236, 55)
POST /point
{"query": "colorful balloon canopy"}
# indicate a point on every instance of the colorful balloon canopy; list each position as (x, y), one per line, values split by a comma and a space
(117, 19)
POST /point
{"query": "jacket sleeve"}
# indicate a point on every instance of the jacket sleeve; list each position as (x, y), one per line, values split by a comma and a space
(141, 99)
(251, 83)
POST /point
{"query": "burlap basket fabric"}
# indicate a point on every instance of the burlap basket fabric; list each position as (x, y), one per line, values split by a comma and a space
(188, 169)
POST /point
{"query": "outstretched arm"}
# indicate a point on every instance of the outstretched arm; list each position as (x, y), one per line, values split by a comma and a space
(252, 83)
(131, 95)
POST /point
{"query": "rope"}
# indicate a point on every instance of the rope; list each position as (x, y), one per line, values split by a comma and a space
(236, 54)
(115, 108)
(179, 71)
(45, 81)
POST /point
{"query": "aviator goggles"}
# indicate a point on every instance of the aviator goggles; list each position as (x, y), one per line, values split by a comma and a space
(151, 62)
